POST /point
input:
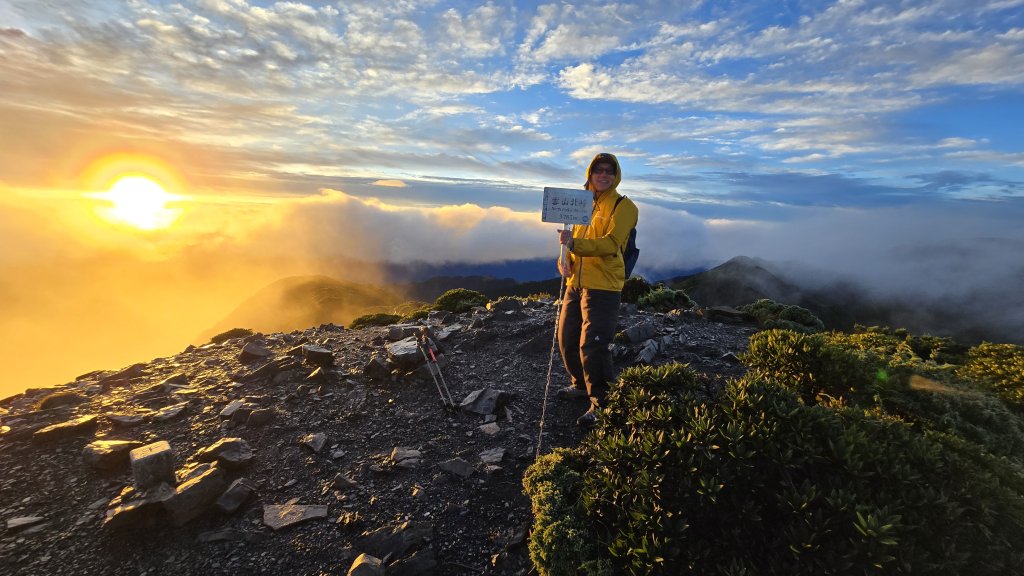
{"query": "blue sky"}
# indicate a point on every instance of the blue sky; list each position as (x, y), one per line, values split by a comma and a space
(839, 135)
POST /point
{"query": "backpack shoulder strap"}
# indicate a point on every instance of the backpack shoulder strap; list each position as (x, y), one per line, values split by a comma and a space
(617, 200)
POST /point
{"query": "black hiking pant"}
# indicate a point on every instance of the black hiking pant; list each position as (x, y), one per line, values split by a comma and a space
(586, 328)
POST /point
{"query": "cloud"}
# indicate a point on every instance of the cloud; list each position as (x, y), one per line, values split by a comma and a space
(391, 183)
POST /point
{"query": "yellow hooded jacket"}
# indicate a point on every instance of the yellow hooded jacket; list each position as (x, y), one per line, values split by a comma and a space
(596, 256)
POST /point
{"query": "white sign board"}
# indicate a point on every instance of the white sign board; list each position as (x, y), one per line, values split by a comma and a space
(567, 206)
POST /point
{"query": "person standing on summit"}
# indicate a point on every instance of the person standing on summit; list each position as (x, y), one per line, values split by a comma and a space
(595, 273)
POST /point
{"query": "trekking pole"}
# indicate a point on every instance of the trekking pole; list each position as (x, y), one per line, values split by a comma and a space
(431, 347)
(554, 342)
(430, 369)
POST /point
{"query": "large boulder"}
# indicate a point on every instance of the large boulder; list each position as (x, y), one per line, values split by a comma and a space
(152, 464)
(405, 353)
(196, 495)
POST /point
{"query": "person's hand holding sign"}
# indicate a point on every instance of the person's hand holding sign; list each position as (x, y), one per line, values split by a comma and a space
(565, 239)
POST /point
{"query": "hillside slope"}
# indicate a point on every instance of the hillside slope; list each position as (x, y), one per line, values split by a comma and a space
(297, 302)
(372, 456)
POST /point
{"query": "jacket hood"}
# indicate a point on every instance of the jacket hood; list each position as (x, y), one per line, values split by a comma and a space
(605, 157)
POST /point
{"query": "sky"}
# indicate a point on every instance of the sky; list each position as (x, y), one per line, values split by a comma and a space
(877, 140)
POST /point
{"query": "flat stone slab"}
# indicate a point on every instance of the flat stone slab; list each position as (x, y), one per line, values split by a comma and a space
(458, 467)
(492, 456)
(640, 332)
(318, 355)
(169, 412)
(252, 351)
(278, 516)
(230, 452)
(260, 417)
(236, 495)
(78, 427)
(231, 408)
(405, 352)
(108, 454)
(23, 522)
(406, 457)
(126, 420)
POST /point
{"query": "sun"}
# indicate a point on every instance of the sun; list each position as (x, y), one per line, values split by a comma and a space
(140, 202)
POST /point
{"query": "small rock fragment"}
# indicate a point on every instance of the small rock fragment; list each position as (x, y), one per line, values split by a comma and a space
(315, 442)
(457, 466)
(236, 495)
(366, 565)
(492, 456)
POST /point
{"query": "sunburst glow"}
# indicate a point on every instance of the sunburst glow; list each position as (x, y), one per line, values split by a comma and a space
(139, 202)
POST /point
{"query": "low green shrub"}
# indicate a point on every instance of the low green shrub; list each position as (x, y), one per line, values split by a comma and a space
(635, 288)
(756, 482)
(873, 452)
(459, 300)
(1000, 367)
(59, 400)
(230, 334)
(378, 319)
(663, 299)
(949, 406)
(810, 366)
(770, 314)
(563, 541)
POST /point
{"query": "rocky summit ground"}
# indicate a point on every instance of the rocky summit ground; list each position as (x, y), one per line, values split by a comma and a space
(311, 452)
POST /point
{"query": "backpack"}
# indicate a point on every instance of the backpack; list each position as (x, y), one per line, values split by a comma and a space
(630, 253)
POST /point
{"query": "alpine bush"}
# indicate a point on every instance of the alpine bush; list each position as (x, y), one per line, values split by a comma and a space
(810, 366)
(999, 367)
(634, 288)
(379, 319)
(230, 334)
(770, 314)
(758, 482)
(459, 300)
(663, 299)
(563, 542)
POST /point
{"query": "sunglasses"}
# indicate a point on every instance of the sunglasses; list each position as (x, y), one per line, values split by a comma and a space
(609, 170)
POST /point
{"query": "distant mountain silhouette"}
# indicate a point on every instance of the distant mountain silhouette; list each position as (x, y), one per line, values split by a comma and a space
(844, 302)
(739, 281)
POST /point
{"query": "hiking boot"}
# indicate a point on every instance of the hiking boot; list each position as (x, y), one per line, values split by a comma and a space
(570, 392)
(588, 420)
